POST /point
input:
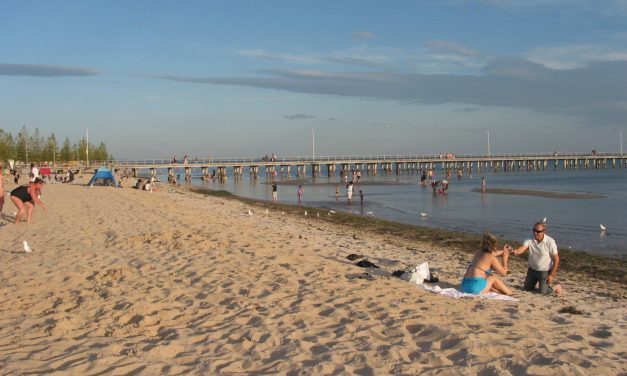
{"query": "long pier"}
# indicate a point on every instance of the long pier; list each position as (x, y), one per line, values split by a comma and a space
(370, 165)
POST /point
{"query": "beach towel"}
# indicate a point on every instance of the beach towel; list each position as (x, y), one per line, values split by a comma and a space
(454, 293)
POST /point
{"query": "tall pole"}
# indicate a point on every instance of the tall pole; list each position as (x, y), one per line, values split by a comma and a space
(488, 133)
(620, 133)
(313, 144)
(87, 146)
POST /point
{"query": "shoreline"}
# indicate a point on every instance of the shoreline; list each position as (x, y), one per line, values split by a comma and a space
(574, 261)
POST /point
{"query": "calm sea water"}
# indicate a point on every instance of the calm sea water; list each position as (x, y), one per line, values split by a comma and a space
(574, 223)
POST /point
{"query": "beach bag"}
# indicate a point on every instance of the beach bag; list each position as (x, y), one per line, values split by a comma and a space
(420, 273)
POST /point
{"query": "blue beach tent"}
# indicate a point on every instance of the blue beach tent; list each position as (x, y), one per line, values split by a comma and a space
(103, 176)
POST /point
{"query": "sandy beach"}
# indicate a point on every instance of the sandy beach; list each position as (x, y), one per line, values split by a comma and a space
(125, 282)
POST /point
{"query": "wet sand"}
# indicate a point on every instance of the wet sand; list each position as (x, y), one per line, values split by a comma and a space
(544, 194)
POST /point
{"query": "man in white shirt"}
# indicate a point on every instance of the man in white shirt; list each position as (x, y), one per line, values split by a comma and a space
(543, 259)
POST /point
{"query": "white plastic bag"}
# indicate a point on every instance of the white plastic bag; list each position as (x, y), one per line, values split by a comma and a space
(420, 273)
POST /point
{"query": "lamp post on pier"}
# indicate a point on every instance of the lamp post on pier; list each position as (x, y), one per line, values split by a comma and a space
(487, 131)
(313, 144)
(620, 135)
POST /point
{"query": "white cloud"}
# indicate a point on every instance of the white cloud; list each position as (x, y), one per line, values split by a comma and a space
(441, 57)
(574, 56)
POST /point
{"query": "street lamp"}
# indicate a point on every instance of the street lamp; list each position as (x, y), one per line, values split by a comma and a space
(313, 144)
(87, 146)
(620, 134)
(488, 133)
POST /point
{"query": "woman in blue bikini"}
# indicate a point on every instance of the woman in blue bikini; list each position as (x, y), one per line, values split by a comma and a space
(479, 278)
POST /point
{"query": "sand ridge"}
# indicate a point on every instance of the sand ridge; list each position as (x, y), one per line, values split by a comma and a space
(128, 282)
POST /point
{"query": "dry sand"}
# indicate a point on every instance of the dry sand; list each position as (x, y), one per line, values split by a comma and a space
(128, 282)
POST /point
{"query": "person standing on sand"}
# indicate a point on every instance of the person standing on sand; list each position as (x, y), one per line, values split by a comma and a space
(1, 192)
(483, 184)
(361, 197)
(34, 172)
(300, 192)
(543, 260)
(275, 193)
(25, 197)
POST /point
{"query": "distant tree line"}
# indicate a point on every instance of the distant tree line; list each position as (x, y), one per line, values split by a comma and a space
(34, 147)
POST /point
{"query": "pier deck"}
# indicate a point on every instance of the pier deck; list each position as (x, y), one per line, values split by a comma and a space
(372, 165)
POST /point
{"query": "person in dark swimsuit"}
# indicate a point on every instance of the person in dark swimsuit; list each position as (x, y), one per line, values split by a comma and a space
(25, 197)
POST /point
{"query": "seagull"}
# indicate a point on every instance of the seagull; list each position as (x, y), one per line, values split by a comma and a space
(305, 212)
(544, 220)
(423, 214)
(331, 211)
(603, 228)
(26, 247)
(250, 212)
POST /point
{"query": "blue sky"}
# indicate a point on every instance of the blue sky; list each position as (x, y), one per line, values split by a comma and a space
(155, 79)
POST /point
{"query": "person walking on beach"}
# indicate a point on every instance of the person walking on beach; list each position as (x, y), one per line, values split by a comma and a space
(300, 192)
(361, 197)
(543, 259)
(25, 197)
(275, 193)
(479, 278)
(483, 184)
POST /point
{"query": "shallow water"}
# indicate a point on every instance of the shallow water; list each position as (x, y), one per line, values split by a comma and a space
(574, 223)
